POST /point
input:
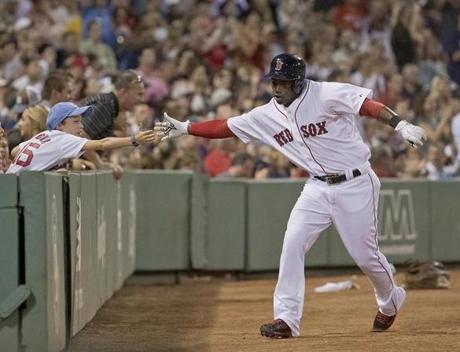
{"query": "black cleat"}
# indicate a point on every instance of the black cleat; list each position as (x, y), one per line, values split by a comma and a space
(382, 322)
(276, 330)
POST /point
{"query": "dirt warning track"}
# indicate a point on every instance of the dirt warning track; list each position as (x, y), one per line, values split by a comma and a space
(223, 315)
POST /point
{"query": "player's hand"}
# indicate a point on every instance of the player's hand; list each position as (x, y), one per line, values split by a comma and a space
(414, 135)
(170, 128)
(147, 137)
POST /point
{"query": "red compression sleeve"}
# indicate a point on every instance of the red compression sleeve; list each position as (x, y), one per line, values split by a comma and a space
(371, 108)
(211, 129)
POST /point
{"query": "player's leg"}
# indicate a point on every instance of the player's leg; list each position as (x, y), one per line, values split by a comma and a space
(355, 217)
(308, 218)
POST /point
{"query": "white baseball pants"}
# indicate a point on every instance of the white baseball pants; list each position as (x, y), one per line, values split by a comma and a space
(352, 207)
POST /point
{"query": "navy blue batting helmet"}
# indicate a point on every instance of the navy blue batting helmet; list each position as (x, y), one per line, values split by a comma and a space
(288, 67)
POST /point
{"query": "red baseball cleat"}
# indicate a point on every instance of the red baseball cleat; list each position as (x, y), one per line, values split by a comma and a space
(382, 322)
(276, 330)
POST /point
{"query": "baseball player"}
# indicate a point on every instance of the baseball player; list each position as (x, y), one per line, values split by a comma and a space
(315, 125)
(52, 148)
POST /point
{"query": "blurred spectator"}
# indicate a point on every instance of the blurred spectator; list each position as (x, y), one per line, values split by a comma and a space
(413, 164)
(402, 41)
(94, 45)
(410, 78)
(57, 88)
(28, 96)
(383, 162)
(242, 166)
(166, 156)
(156, 87)
(32, 121)
(438, 110)
(10, 59)
(98, 10)
(4, 152)
(450, 31)
(69, 52)
(436, 167)
(349, 15)
(219, 158)
(32, 77)
(455, 127)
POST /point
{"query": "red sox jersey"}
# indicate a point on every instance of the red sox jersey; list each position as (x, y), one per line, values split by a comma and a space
(318, 131)
(46, 150)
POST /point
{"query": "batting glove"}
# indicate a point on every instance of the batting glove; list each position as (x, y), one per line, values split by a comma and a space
(414, 135)
(171, 128)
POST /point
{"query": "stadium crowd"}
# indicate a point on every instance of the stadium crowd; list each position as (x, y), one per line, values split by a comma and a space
(203, 60)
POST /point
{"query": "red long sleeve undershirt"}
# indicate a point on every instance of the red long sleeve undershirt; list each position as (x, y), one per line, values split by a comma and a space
(219, 128)
(371, 108)
(211, 129)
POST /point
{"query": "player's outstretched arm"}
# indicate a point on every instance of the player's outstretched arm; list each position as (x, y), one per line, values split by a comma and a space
(172, 128)
(109, 143)
(414, 135)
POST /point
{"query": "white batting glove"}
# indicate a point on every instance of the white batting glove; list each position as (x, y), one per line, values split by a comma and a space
(414, 135)
(171, 128)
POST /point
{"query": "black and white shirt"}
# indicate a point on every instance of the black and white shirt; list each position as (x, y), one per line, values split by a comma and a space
(98, 122)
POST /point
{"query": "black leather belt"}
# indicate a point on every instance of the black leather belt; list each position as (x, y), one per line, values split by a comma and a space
(332, 179)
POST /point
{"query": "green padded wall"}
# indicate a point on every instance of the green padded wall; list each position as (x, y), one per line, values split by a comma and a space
(9, 251)
(198, 219)
(89, 240)
(76, 246)
(43, 320)
(444, 221)
(226, 225)
(269, 205)
(9, 191)
(102, 232)
(404, 220)
(84, 239)
(106, 234)
(130, 209)
(163, 220)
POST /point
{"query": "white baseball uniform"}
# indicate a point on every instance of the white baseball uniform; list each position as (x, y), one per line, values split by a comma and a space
(47, 150)
(319, 132)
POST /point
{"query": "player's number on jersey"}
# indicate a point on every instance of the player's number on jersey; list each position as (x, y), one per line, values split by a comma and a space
(27, 151)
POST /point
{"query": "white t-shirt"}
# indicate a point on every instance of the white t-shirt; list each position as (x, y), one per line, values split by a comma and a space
(46, 150)
(456, 133)
(318, 131)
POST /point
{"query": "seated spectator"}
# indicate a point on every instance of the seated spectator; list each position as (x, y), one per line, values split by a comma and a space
(4, 152)
(156, 88)
(413, 164)
(242, 166)
(94, 45)
(33, 75)
(436, 168)
(382, 162)
(32, 121)
(219, 160)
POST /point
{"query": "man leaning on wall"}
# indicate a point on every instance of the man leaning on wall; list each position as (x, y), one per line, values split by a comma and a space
(108, 110)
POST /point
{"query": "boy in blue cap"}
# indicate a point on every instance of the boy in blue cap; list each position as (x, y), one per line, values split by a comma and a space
(62, 141)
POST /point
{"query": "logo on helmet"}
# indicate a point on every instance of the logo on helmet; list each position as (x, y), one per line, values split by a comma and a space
(278, 64)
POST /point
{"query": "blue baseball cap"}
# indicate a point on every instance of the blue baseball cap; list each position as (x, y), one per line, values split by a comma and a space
(61, 111)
